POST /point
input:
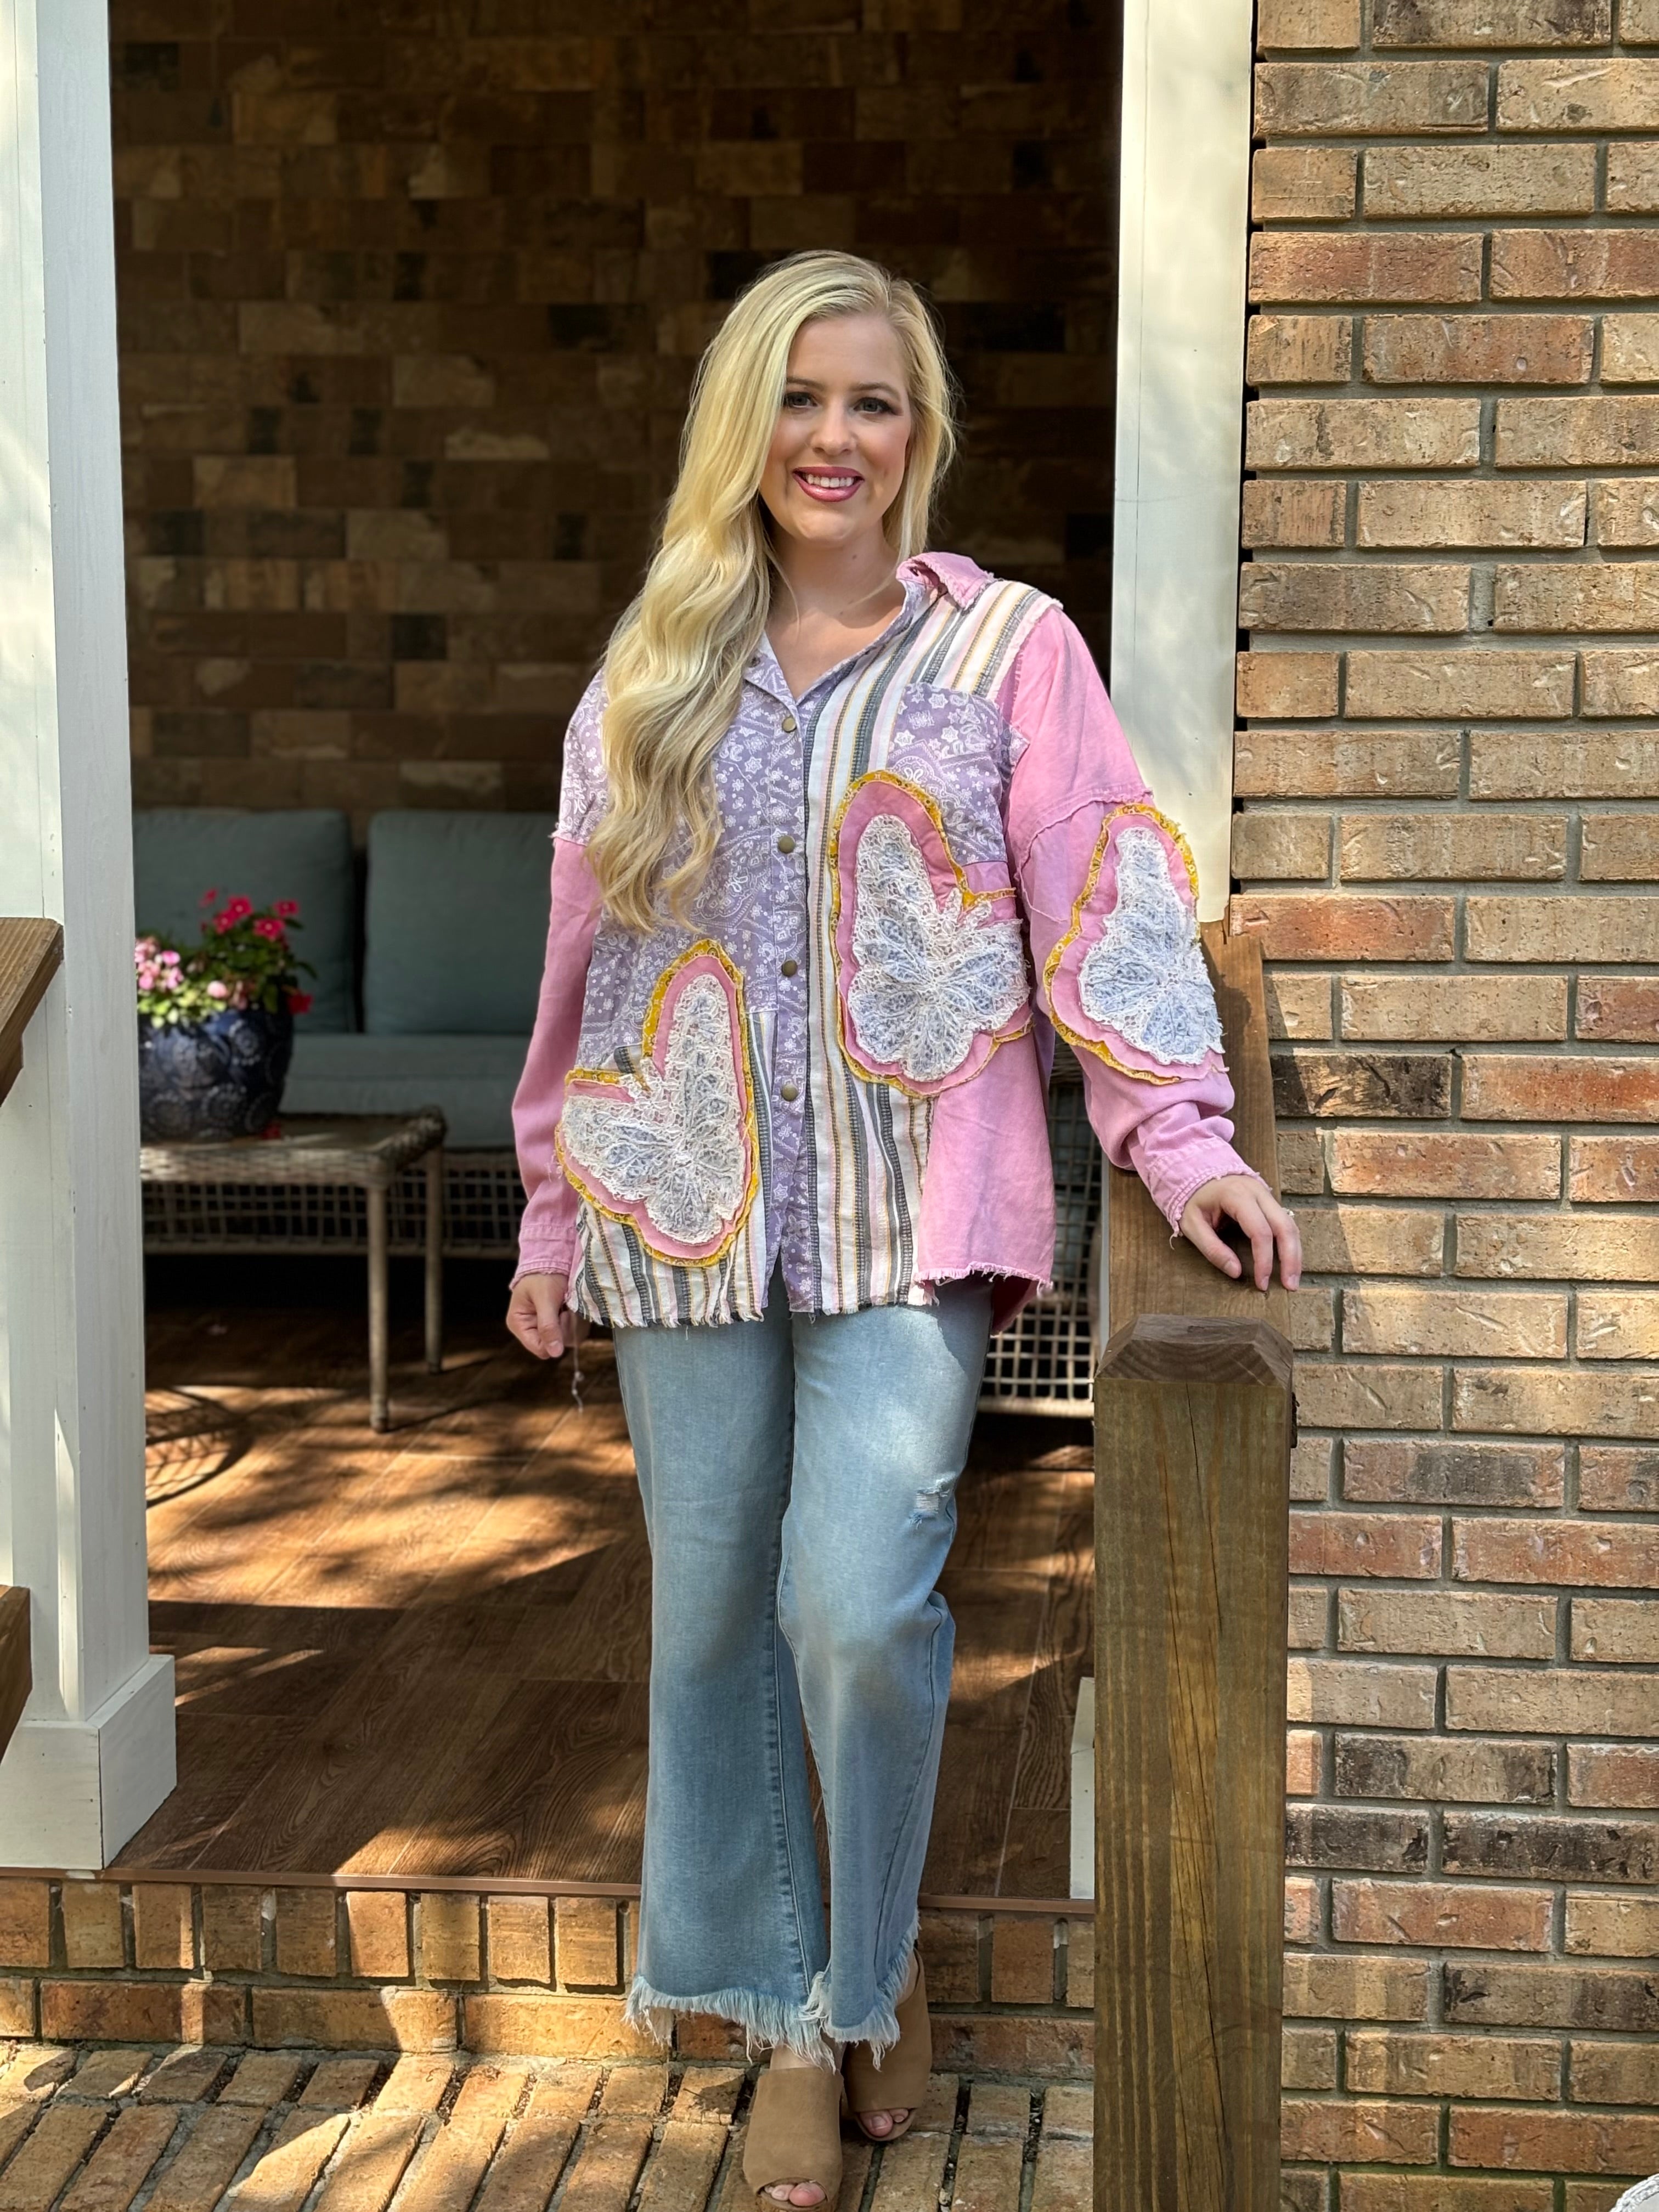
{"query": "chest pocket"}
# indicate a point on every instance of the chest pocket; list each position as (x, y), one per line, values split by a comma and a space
(955, 747)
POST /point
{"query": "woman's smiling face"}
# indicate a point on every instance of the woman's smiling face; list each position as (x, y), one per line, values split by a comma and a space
(836, 459)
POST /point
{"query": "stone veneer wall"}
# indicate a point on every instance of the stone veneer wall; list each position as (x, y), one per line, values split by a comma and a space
(409, 299)
(1446, 840)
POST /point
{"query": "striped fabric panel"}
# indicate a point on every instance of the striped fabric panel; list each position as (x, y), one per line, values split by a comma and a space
(866, 1143)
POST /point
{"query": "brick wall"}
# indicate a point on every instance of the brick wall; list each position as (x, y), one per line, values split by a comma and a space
(409, 313)
(1445, 837)
(288, 1960)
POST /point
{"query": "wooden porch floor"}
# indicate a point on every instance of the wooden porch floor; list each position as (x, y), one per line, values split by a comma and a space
(426, 1653)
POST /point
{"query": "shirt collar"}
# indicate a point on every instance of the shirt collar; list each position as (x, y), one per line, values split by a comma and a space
(961, 580)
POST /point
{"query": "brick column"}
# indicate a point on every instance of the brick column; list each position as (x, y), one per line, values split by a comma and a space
(1445, 836)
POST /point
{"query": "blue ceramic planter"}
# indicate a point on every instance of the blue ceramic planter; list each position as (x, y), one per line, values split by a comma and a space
(217, 1079)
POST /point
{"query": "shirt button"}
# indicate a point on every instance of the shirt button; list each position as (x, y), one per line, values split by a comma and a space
(789, 968)
(786, 843)
(789, 1093)
(788, 725)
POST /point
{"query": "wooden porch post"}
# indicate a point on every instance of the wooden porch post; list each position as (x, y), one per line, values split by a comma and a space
(1194, 1416)
(94, 1755)
(1193, 1405)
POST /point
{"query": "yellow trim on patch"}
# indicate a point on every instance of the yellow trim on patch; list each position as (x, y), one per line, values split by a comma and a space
(704, 947)
(1051, 966)
(969, 898)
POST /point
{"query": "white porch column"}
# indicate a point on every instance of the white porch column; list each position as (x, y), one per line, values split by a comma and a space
(94, 1756)
(1183, 237)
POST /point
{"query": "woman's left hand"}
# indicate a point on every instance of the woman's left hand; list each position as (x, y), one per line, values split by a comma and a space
(1258, 1213)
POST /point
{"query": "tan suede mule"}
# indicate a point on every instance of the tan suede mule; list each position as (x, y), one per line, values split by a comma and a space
(901, 2079)
(794, 2131)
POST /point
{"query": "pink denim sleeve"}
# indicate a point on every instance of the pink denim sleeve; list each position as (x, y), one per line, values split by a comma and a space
(547, 1234)
(1073, 767)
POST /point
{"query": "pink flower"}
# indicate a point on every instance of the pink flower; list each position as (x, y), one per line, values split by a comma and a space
(168, 959)
(218, 990)
(208, 897)
(299, 1002)
(143, 947)
(224, 922)
(286, 907)
(240, 909)
(265, 927)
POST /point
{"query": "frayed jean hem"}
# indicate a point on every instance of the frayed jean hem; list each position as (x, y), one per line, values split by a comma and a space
(806, 2028)
(764, 2019)
(879, 2027)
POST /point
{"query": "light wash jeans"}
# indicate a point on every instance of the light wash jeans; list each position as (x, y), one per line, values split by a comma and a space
(799, 1475)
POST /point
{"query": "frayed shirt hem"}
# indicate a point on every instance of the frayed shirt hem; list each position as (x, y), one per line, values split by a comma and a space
(921, 1290)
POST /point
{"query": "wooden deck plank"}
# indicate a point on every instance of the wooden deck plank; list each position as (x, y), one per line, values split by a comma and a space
(223, 1763)
(558, 1780)
(1066, 1652)
(362, 1770)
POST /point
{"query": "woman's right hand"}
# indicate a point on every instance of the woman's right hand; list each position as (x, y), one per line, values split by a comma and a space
(538, 1316)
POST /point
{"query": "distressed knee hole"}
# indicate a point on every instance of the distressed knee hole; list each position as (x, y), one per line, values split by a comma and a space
(933, 1499)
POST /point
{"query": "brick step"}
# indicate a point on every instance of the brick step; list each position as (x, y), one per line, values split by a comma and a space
(191, 2128)
(520, 1969)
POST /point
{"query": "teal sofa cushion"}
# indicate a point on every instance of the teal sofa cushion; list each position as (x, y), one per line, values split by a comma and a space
(456, 922)
(471, 1079)
(304, 854)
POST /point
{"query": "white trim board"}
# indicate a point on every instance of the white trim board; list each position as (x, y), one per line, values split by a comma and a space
(71, 1793)
(92, 1756)
(1083, 1791)
(1183, 239)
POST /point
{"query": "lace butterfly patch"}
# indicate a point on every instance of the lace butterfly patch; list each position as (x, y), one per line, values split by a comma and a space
(931, 973)
(670, 1145)
(1128, 981)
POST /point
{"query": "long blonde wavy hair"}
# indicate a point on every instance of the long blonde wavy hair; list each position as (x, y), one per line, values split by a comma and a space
(674, 666)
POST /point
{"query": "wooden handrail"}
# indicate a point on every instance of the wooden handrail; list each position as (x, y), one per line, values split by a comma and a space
(1193, 1422)
(16, 1679)
(31, 953)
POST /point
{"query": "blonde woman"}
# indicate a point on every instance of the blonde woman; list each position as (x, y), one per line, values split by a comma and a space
(847, 831)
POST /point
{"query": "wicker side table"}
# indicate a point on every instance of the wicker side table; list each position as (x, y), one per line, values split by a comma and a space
(280, 1193)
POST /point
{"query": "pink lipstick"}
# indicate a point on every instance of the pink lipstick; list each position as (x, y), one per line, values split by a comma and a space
(829, 486)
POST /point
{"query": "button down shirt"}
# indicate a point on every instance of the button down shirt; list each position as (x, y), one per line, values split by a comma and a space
(838, 1067)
